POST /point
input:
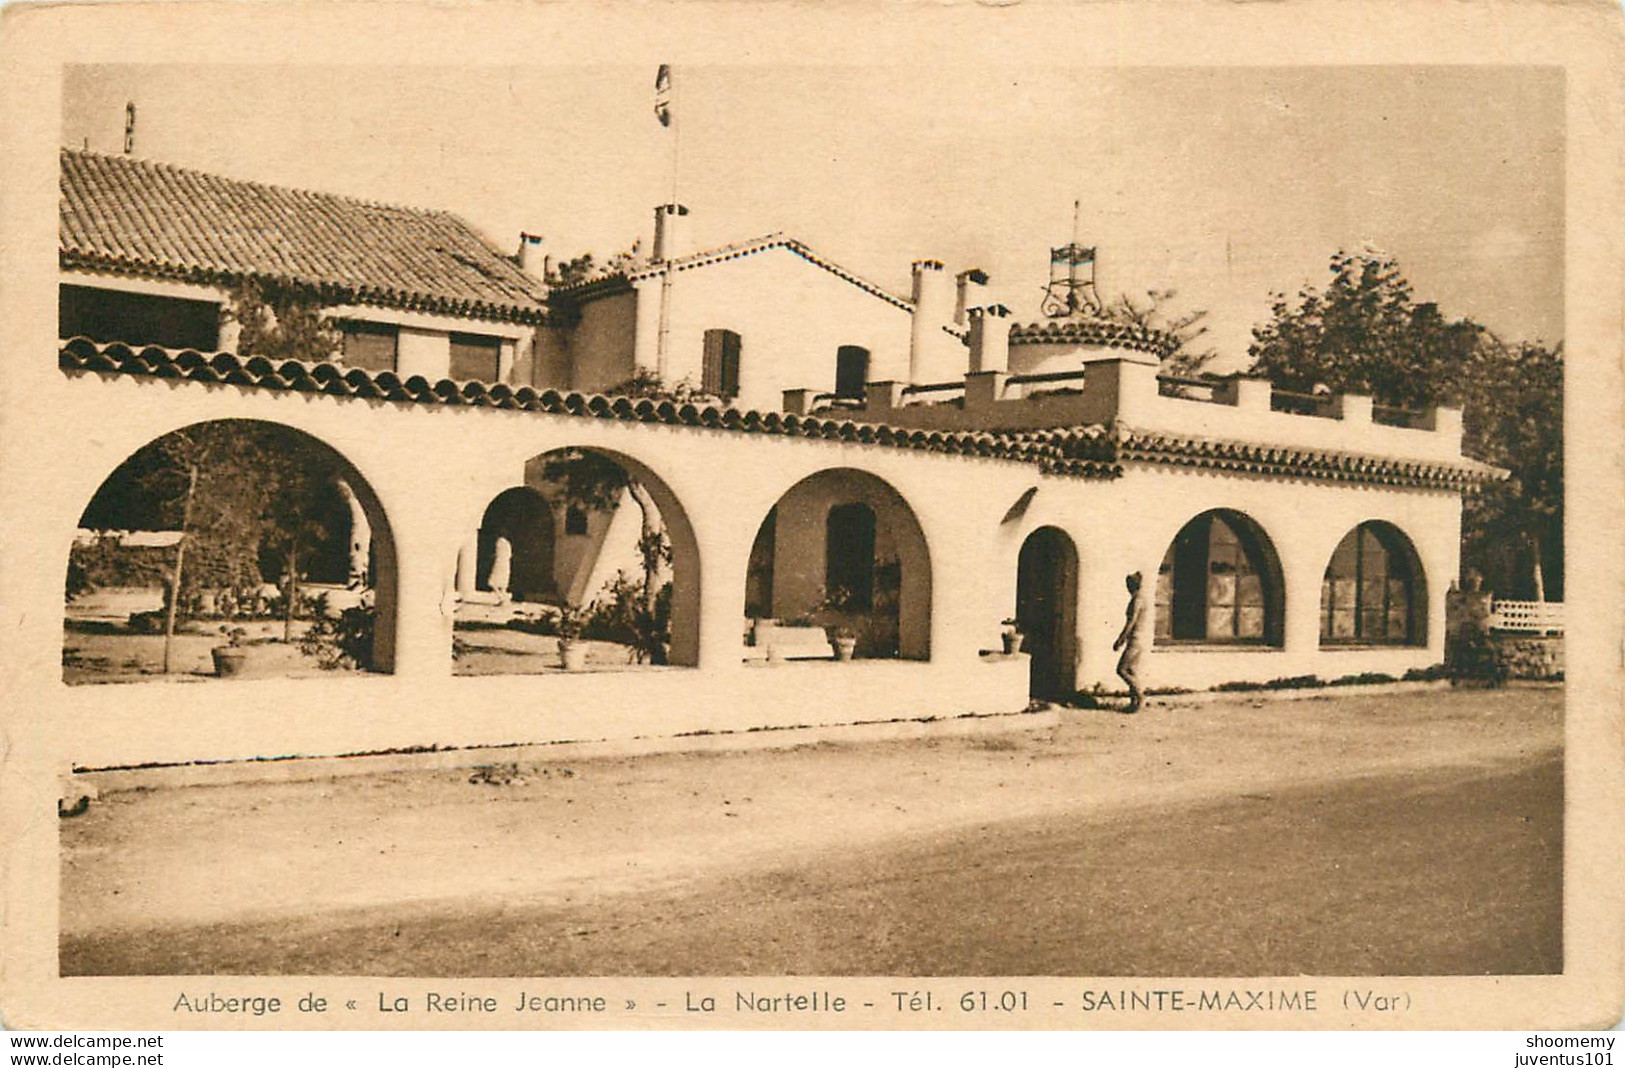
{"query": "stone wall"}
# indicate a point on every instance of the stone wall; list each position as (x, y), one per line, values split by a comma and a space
(1528, 656)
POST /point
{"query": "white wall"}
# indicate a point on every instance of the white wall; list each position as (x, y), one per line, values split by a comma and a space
(1127, 525)
(434, 469)
(600, 345)
(791, 316)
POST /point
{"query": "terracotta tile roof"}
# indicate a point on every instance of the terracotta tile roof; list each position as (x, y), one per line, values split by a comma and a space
(80, 355)
(1299, 462)
(1078, 451)
(154, 220)
(1096, 332)
(617, 282)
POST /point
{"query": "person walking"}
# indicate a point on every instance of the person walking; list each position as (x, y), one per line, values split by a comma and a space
(1128, 665)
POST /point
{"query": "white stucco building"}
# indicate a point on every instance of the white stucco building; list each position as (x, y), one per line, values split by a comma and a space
(939, 468)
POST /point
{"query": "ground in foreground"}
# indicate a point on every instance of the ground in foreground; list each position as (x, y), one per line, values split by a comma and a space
(1407, 834)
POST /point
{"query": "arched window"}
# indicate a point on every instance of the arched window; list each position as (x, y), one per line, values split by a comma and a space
(1371, 592)
(851, 371)
(1219, 582)
(719, 374)
(849, 559)
(575, 520)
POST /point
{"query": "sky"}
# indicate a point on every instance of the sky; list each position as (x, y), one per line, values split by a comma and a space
(1224, 185)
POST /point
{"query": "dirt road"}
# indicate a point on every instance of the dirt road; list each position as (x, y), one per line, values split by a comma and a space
(195, 879)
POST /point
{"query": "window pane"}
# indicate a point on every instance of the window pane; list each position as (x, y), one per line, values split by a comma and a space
(1221, 622)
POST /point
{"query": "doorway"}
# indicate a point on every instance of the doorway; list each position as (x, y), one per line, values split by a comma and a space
(1046, 611)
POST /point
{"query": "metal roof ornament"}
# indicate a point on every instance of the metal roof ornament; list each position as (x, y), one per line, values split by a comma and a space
(1071, 292)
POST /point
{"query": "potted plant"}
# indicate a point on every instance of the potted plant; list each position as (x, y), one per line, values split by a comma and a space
(230, 658)
(836, 613)
(1011, 636)
(572, 652)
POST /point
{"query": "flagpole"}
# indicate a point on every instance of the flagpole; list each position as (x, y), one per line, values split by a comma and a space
(662, 337)
(676, 133)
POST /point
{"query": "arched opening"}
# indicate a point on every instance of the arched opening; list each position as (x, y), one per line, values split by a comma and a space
(591, 564)
(1219, 583)
(516, 546)
(841, 553)
(851, 372)
(232, 548)
(1046, 611)
(1374, 591)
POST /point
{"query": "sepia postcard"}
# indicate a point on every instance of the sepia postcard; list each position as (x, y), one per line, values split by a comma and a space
(730, 516)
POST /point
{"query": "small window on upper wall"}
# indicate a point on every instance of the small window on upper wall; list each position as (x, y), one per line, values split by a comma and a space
(370, 346)
(575, 520)
(719, 374)
(476, 358)
(851, 371)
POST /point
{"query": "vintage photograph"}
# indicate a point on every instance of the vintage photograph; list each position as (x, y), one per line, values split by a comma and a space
(739, 520)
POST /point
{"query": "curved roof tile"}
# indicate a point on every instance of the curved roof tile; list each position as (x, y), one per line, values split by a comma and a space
(1078, 451)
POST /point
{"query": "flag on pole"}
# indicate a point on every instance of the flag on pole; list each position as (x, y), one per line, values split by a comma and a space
(663, 94)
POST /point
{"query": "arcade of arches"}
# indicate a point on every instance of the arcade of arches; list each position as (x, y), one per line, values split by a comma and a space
(841, 549)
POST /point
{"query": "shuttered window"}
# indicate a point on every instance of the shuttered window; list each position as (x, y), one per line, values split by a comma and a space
(719, 374)
(476, 358)
(371, 346)
(851, 371)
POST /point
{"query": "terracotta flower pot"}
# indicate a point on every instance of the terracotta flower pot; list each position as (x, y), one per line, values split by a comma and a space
(843, 647)
(228, 660)
(573, 656)
(1012, 642)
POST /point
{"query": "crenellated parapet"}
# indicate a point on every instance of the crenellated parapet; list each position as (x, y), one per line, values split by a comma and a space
(1125, 390)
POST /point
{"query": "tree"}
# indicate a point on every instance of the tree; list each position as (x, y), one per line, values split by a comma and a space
(1366, 333)
(295, 519)
(193, 475)
(585, 267)
(1186, 328)
(1514, 419)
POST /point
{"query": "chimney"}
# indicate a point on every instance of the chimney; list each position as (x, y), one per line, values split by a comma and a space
(669, 232)
(972, 292)
(530, 257)
(934, 355)
(990, 338)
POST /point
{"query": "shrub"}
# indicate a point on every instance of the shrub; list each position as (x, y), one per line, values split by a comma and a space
(545, 624)
(1286, 682)
(1364, 678)
(105, 562)
(1475, 660)
(345, 642)
(1294, 682)
(1430, 673)
(620, 614)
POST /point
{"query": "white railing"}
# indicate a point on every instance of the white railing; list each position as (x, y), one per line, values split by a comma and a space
(1529, 617)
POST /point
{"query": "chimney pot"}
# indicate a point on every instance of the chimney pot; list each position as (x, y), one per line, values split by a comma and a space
(669, 232)
(529, 257)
